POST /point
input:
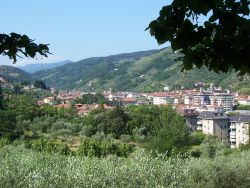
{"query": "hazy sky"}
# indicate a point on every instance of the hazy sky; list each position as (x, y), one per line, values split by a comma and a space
(77, 29)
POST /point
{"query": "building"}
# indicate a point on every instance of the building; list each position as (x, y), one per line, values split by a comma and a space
(244, 100)
(214, 123)
(190, 115)
(133, 95)
(239, 130)
(214, 108)
(162, 98)
(128, 101)
(201, 99)
(226, 100)
(49, 100)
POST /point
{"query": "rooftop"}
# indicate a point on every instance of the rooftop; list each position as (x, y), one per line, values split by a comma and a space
(212, 115)
(240, 118)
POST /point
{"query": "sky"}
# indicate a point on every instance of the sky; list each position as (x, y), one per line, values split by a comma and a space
(78, 29)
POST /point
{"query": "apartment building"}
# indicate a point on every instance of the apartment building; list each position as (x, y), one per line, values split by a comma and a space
(214, 123)
(239, 130)
(224, 100)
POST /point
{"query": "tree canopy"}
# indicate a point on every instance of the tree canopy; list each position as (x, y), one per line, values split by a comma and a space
(221, 42)
(14, 45)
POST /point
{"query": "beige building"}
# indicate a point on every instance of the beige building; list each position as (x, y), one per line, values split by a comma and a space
(239, 130)
(214, 123)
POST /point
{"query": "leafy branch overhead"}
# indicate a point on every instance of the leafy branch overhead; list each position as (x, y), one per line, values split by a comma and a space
(14, 45)
(221, 42)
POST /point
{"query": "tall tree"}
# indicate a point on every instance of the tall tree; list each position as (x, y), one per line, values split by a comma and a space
(221, 42)
(40, 84)
(170, 136)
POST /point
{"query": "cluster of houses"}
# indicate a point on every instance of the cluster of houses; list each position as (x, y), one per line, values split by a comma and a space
(204, 110)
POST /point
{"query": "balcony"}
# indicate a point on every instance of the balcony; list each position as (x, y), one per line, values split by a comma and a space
(232, 126)
(232, 133)
(199, 122)
(232, 139)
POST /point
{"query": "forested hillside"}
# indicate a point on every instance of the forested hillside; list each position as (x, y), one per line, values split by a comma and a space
(141, 71)
(13, 74)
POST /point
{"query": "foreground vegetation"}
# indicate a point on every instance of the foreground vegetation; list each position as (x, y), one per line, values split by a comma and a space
(25, 168)
(134, 146)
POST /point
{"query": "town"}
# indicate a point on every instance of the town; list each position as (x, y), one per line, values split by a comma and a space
(207, 108)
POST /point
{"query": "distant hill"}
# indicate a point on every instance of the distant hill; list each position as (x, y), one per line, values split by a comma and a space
(13, 74)
(140, 71)
(32, 68)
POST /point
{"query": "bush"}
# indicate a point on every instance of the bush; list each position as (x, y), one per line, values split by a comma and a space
(49, 146)
(4, 142)
(94, 148)
(197, 137)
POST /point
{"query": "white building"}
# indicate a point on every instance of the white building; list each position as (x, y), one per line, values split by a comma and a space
(162, 98)
(133, 95)
(226, 100)
(239, 130)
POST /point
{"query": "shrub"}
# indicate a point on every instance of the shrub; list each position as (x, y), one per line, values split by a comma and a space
(49, 146)
(94, 148)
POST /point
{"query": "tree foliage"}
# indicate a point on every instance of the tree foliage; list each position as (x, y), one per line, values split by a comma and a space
(14, 45)
(171, 136)
(40, 84)
(1, 98)
(89, 98)
(221, 43)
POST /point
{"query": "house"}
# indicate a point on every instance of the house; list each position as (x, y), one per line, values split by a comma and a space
(128, 101)
(244, 100)
(214, 123)
(49, 100)
(63, 106)
(239, 130)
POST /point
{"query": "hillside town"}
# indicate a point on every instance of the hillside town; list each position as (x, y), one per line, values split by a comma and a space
(212, 110)
(207, 108)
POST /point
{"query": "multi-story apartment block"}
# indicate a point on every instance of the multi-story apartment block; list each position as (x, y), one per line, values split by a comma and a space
(225, 100)
(239, 130)
(214, 123)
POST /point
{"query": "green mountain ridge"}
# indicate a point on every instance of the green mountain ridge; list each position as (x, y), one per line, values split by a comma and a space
(14, 74)
(146, 71)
